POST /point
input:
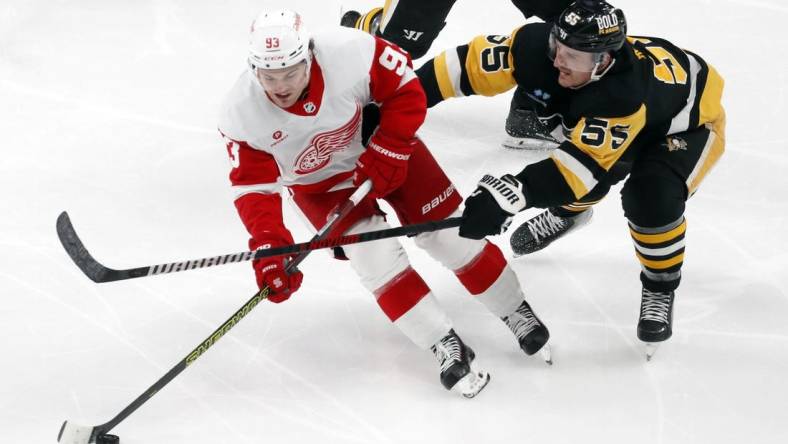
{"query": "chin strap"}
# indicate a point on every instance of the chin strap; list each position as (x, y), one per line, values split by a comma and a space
(596, 76)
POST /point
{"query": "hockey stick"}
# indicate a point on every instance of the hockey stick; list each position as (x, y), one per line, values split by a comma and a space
(99, 273)
(71, 433)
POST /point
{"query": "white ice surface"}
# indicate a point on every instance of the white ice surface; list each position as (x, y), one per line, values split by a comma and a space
(108, 110)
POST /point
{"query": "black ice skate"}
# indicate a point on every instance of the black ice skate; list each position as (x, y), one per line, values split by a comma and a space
(457, 373)
(656, 319)
(525, 131)
(530, 332)
(544, 228)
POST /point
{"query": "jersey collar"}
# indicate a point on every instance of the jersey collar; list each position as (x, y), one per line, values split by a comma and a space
(309, 105)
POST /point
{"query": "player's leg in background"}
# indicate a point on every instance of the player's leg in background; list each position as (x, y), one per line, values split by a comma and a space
(523, 128)
(414, 24)
(547, 10)
(479, 265)
(411, 24)
(654, 199)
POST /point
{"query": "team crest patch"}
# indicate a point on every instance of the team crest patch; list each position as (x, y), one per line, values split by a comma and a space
(323, 145)
(676, 144)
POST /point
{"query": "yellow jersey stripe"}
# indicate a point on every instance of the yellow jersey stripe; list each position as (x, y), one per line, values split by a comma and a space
(568, 164)
(578, 187)
(712, 152)
(442, 76)
(388, 11)
(711, 99)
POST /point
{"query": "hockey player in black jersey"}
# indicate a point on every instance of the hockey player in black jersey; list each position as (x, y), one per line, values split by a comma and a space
(621, 107)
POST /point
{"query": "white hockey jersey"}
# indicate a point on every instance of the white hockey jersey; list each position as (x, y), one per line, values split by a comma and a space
(318, 138)
(313, 145)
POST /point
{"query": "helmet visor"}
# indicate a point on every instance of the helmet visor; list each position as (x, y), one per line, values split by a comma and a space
(572, 59)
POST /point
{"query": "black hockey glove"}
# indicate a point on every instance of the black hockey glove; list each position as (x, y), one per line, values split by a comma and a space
(489, 209)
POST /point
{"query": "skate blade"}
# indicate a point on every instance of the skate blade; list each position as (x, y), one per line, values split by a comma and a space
(519, 252)
(546, 354)
(527, 144)
(473, 383)
(651, 348)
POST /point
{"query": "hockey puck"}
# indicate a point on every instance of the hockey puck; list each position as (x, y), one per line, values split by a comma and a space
(107, 439)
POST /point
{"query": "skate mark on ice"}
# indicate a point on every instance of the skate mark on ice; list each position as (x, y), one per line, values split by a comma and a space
(633, 345)
(767, 270)
(257, 353)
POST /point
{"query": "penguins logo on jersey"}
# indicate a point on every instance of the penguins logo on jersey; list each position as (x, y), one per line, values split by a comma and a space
(318, 153)
(676, 144)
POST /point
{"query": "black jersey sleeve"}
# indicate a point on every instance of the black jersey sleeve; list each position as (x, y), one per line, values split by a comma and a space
(544, 186)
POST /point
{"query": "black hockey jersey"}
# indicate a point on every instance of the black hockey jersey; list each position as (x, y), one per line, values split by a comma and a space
(652, 89)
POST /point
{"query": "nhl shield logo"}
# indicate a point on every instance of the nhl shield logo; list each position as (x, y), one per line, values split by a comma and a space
(309, 107)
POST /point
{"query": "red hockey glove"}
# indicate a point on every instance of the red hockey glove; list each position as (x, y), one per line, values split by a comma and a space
(270, 272)
(385, 163)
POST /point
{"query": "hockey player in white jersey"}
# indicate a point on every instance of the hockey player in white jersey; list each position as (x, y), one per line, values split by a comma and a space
(294, 120)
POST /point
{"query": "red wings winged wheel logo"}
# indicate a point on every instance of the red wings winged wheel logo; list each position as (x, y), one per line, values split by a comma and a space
(320, 148)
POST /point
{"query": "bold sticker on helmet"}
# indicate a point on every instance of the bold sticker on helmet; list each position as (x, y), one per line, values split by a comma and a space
(607, 24)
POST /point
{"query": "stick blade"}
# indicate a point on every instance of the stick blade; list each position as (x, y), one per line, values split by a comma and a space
(77, 251)
(71, 433)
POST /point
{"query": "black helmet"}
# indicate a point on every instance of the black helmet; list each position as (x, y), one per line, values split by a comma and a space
(591, 26)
